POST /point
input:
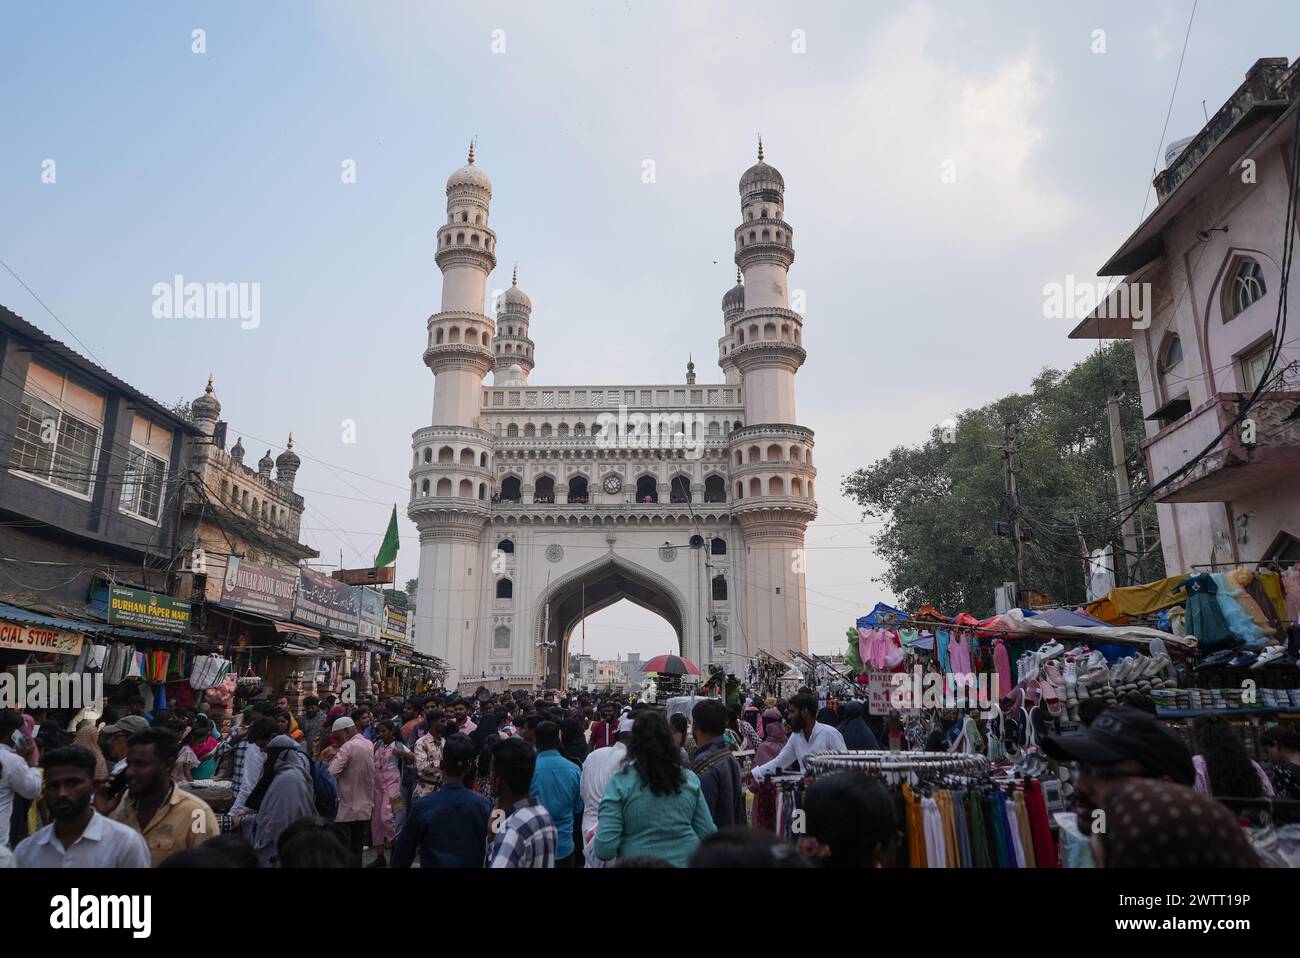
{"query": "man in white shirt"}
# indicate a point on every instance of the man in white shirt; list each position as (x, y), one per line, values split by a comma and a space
(807, 735)
(79, 837)
(16, 776)
(597, 769)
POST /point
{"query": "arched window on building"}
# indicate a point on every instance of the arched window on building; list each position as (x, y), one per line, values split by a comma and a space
(510, 490)
(647, 489)
(715, 490)
(718, 546)
(755, 487)
(719, 588)
(424, 487)
(740, 490)
(506, 546)
(546, 430)
(578, 489)
(530, 431)
(505, 589)
(512, 431)
(466, 489)
(1247, 287)
(444, 486)
(680, 489)
(446, 454)
(544, 489)
(776, 486)
(483, 460)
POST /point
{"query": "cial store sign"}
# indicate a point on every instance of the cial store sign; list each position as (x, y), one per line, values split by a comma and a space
(39, 638)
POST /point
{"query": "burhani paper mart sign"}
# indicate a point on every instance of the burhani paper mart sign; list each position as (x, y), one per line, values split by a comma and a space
(148, 610)
(39, 638)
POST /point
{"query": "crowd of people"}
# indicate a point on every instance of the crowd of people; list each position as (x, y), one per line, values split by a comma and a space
(524, 780)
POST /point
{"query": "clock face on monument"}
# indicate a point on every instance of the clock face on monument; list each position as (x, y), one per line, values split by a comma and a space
(613, 484)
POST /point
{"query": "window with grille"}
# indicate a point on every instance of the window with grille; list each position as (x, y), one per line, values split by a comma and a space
(55, 446)
(142, 485)
(1247, 286)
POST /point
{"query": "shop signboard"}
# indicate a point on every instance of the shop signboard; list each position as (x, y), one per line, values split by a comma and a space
(880, 687)
(372, 612)
(327, 604)
(39, 638)
(147, 610)
(261, 589)
(393, 626)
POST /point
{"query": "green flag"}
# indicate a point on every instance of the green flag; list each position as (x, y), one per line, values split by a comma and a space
(388, 551)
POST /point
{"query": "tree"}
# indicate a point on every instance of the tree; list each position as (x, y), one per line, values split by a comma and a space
(940, 500)
(181, 408)
(412, 586)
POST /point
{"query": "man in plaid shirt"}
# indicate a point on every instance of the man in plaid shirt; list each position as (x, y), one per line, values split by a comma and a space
(525, 836)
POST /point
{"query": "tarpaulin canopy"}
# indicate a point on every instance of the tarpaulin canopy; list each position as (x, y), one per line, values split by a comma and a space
(1136, 600)
(1016, 620)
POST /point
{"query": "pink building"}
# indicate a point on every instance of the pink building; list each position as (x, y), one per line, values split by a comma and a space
(1210, 260)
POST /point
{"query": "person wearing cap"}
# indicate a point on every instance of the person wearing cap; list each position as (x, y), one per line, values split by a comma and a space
(115, 737)
(353, 768)
(1157, 824)
(597, 769)
(1122, 743)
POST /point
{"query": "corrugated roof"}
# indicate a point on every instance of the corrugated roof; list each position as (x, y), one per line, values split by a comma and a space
(17, 614)
(49, 346)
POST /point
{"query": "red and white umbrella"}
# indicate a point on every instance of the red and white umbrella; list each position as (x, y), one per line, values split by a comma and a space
(671, 665)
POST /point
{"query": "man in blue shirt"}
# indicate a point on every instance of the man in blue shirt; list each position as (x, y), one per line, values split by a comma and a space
(557, 784)
(449, 826)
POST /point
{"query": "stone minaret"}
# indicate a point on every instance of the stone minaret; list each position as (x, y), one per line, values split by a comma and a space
(733, 304)
(205, 411)
(286, 465)
(451, 481)
(771, 456)
(513, 347)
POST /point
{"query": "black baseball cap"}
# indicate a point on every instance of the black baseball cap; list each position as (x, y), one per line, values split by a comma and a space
(1122, 734)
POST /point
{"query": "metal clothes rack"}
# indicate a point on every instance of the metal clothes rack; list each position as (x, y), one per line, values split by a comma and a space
(881, 761)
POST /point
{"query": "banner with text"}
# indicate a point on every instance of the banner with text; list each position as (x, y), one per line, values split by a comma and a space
(147, 610)
(262, 589)
(327, 604)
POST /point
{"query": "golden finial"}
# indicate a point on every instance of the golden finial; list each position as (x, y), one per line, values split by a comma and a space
(760, 147)
(290, 445)
(471, 151)
(514, 277)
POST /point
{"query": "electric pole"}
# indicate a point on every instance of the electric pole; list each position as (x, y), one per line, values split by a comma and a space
(1120, 459)
(1008, 451)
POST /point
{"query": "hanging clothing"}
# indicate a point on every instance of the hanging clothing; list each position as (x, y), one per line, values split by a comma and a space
(1040, 828)
(1022, 826)
(1243, 627)
(1254, 587)
(1002, 663)
(1205, 618)
(1291, 585)
(1271, 583)
(941, 639)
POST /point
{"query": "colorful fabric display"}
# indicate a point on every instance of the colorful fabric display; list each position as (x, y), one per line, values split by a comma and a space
(1205, 618)
(1240, 624)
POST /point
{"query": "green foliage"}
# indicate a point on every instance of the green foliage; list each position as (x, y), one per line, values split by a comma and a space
(941, 496)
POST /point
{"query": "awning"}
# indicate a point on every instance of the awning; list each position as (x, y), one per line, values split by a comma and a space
(293, 648)
(290, 628)
(26, 617)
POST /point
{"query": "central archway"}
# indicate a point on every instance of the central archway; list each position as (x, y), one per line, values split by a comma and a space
(596, 586)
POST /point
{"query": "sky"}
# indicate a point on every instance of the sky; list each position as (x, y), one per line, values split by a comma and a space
(943, 163)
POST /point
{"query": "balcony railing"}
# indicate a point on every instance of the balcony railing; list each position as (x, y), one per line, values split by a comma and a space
(1261, 452)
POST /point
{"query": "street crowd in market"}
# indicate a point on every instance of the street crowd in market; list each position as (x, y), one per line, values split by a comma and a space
(549, 779)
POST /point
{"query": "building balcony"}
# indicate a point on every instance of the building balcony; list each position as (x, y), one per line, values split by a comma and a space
(1259, 453)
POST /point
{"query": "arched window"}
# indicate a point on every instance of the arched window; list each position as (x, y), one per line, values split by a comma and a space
(460, 237)
(680, 489)
(473, 239)
(512, 431)
(510, 490)
(487, 339)
(530, 431)
(740, 490)
(424, 487)
(478, 218)
(740, 458)
(546, 430)
(446, 454)
(578, 489)
(715, 490)
(444, 486)
(769, 331)
(1171, 354)
(506, 546)
(767, 235)
(794, 453)
(755, 454)
(428, 454)
(466, 489)
(719, 588)
(505, 589)
(454, 335)
(796, 487)
(714, 430)
(483, 460)
(740, 335)
(647, 489)
(544, 489)
(1247, 287)
(562, 430)
(595, 429)
(464, 218)
(482, 490)
(580, 430)
(718, 546)
(774, 453)
(776, 486)
(437, 337)
(755, 487)
(413, 490)
(467, 457)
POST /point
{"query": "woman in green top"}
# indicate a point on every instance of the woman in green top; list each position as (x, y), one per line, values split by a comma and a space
(652, 807)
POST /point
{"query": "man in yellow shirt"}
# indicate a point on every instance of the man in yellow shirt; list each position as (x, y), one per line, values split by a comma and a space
(170, 818)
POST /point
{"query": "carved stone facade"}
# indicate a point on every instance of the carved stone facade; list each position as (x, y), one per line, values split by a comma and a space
(538, 505)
